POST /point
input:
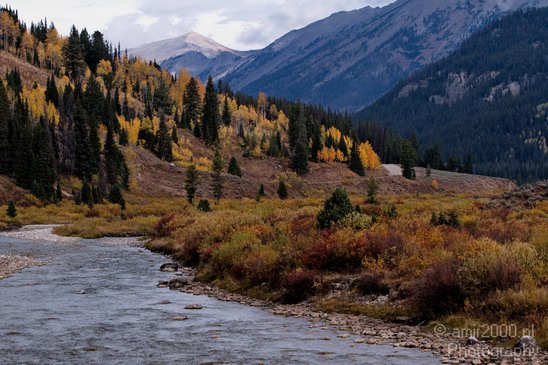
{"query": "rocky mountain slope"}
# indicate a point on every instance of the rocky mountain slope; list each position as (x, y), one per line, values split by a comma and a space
(200, 55)
(489, 98)
(349, 59)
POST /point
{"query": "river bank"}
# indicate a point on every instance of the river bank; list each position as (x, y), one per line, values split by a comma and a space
(454, 347)
(99, 303)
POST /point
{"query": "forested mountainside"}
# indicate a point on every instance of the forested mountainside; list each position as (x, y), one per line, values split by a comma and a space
(350, 59)
(96, 101)
(489, 99)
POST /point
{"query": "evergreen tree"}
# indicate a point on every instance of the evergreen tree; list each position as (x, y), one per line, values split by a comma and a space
(407, 160)
(233, 168)
(210, 114)
(73, 55)
(52, 94)
(24, 157)
(83, 164)
(5, 121)
(94, 102)
(191, 105)
(115, 195)
(335, 209)
(227, 118)
(282, 190)
(372, 189)
(217, 183)
(44, 162)
(468, 167)
(161, 100)
(191, 182)
(11, 212)
(87, 194)
(98, 51)
(300, 158)
(58, 193)
(164, 140)
(204, 206)
(112, 154)
(343, 147)
(174, 136)
(261, 191)
(356, 164)
(297, 126)
(317, 145)
(123, 139)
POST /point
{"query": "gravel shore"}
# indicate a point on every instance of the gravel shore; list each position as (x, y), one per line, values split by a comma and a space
(39, 233)
(9, 264)
(451, 348)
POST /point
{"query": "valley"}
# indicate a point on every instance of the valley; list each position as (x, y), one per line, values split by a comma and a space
(185, 201)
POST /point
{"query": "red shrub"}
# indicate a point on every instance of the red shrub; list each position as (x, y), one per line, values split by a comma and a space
(298, 286)
(164, 227)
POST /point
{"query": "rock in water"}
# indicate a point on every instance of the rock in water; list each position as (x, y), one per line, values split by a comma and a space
(169, 267)
(193, 306)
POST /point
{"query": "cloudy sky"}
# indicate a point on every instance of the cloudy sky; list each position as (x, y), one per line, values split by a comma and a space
(239, 24)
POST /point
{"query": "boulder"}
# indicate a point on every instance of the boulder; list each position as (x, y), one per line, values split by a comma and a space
(526, 343)
(169, 267)
(179, 282)
(472, 341)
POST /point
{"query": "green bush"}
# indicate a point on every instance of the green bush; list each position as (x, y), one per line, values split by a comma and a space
(335, 209)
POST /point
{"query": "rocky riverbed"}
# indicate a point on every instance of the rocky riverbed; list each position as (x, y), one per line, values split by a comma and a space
(10, 264)
(453, 348)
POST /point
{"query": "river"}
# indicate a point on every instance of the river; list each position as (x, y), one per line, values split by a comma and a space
(96, 302)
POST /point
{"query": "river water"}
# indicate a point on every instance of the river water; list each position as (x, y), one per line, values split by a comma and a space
(45, 317)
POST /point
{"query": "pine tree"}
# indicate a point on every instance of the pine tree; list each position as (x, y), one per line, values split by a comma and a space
(407, 160)
(297, 126)
(11, 212)
(300, 158)
(73, 55)
(115, 195)
(335, 209)
(5, 121)
(227, 118)
(233, 168)
(94, 103)
(356, 164)
(174, 136)
(161, 100)
(468, 167)
(87, 194)
(372, 189)
(262, 191)
(24, 156)
(282, 190)
(111, 153)
(44, 162)
(191, 105)
(210, 114)
(191, 182)
(123, 139)
(343, 147)
(217, 183)
(52, 94)
(83, 168)
(317, 145)
(58, 193)
(164, 141)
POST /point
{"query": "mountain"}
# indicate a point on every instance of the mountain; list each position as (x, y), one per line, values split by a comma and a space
(200, 55)
(489, 98)
(349, 59)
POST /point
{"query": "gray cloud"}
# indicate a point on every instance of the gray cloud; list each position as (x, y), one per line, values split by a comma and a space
(244, 24)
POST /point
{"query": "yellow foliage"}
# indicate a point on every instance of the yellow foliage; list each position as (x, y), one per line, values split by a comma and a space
(132, 127)
(370, 159)
(104, 68)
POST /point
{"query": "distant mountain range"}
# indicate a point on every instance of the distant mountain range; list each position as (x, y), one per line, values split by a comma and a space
(488, 98)
(346, 61)
(200, 55)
